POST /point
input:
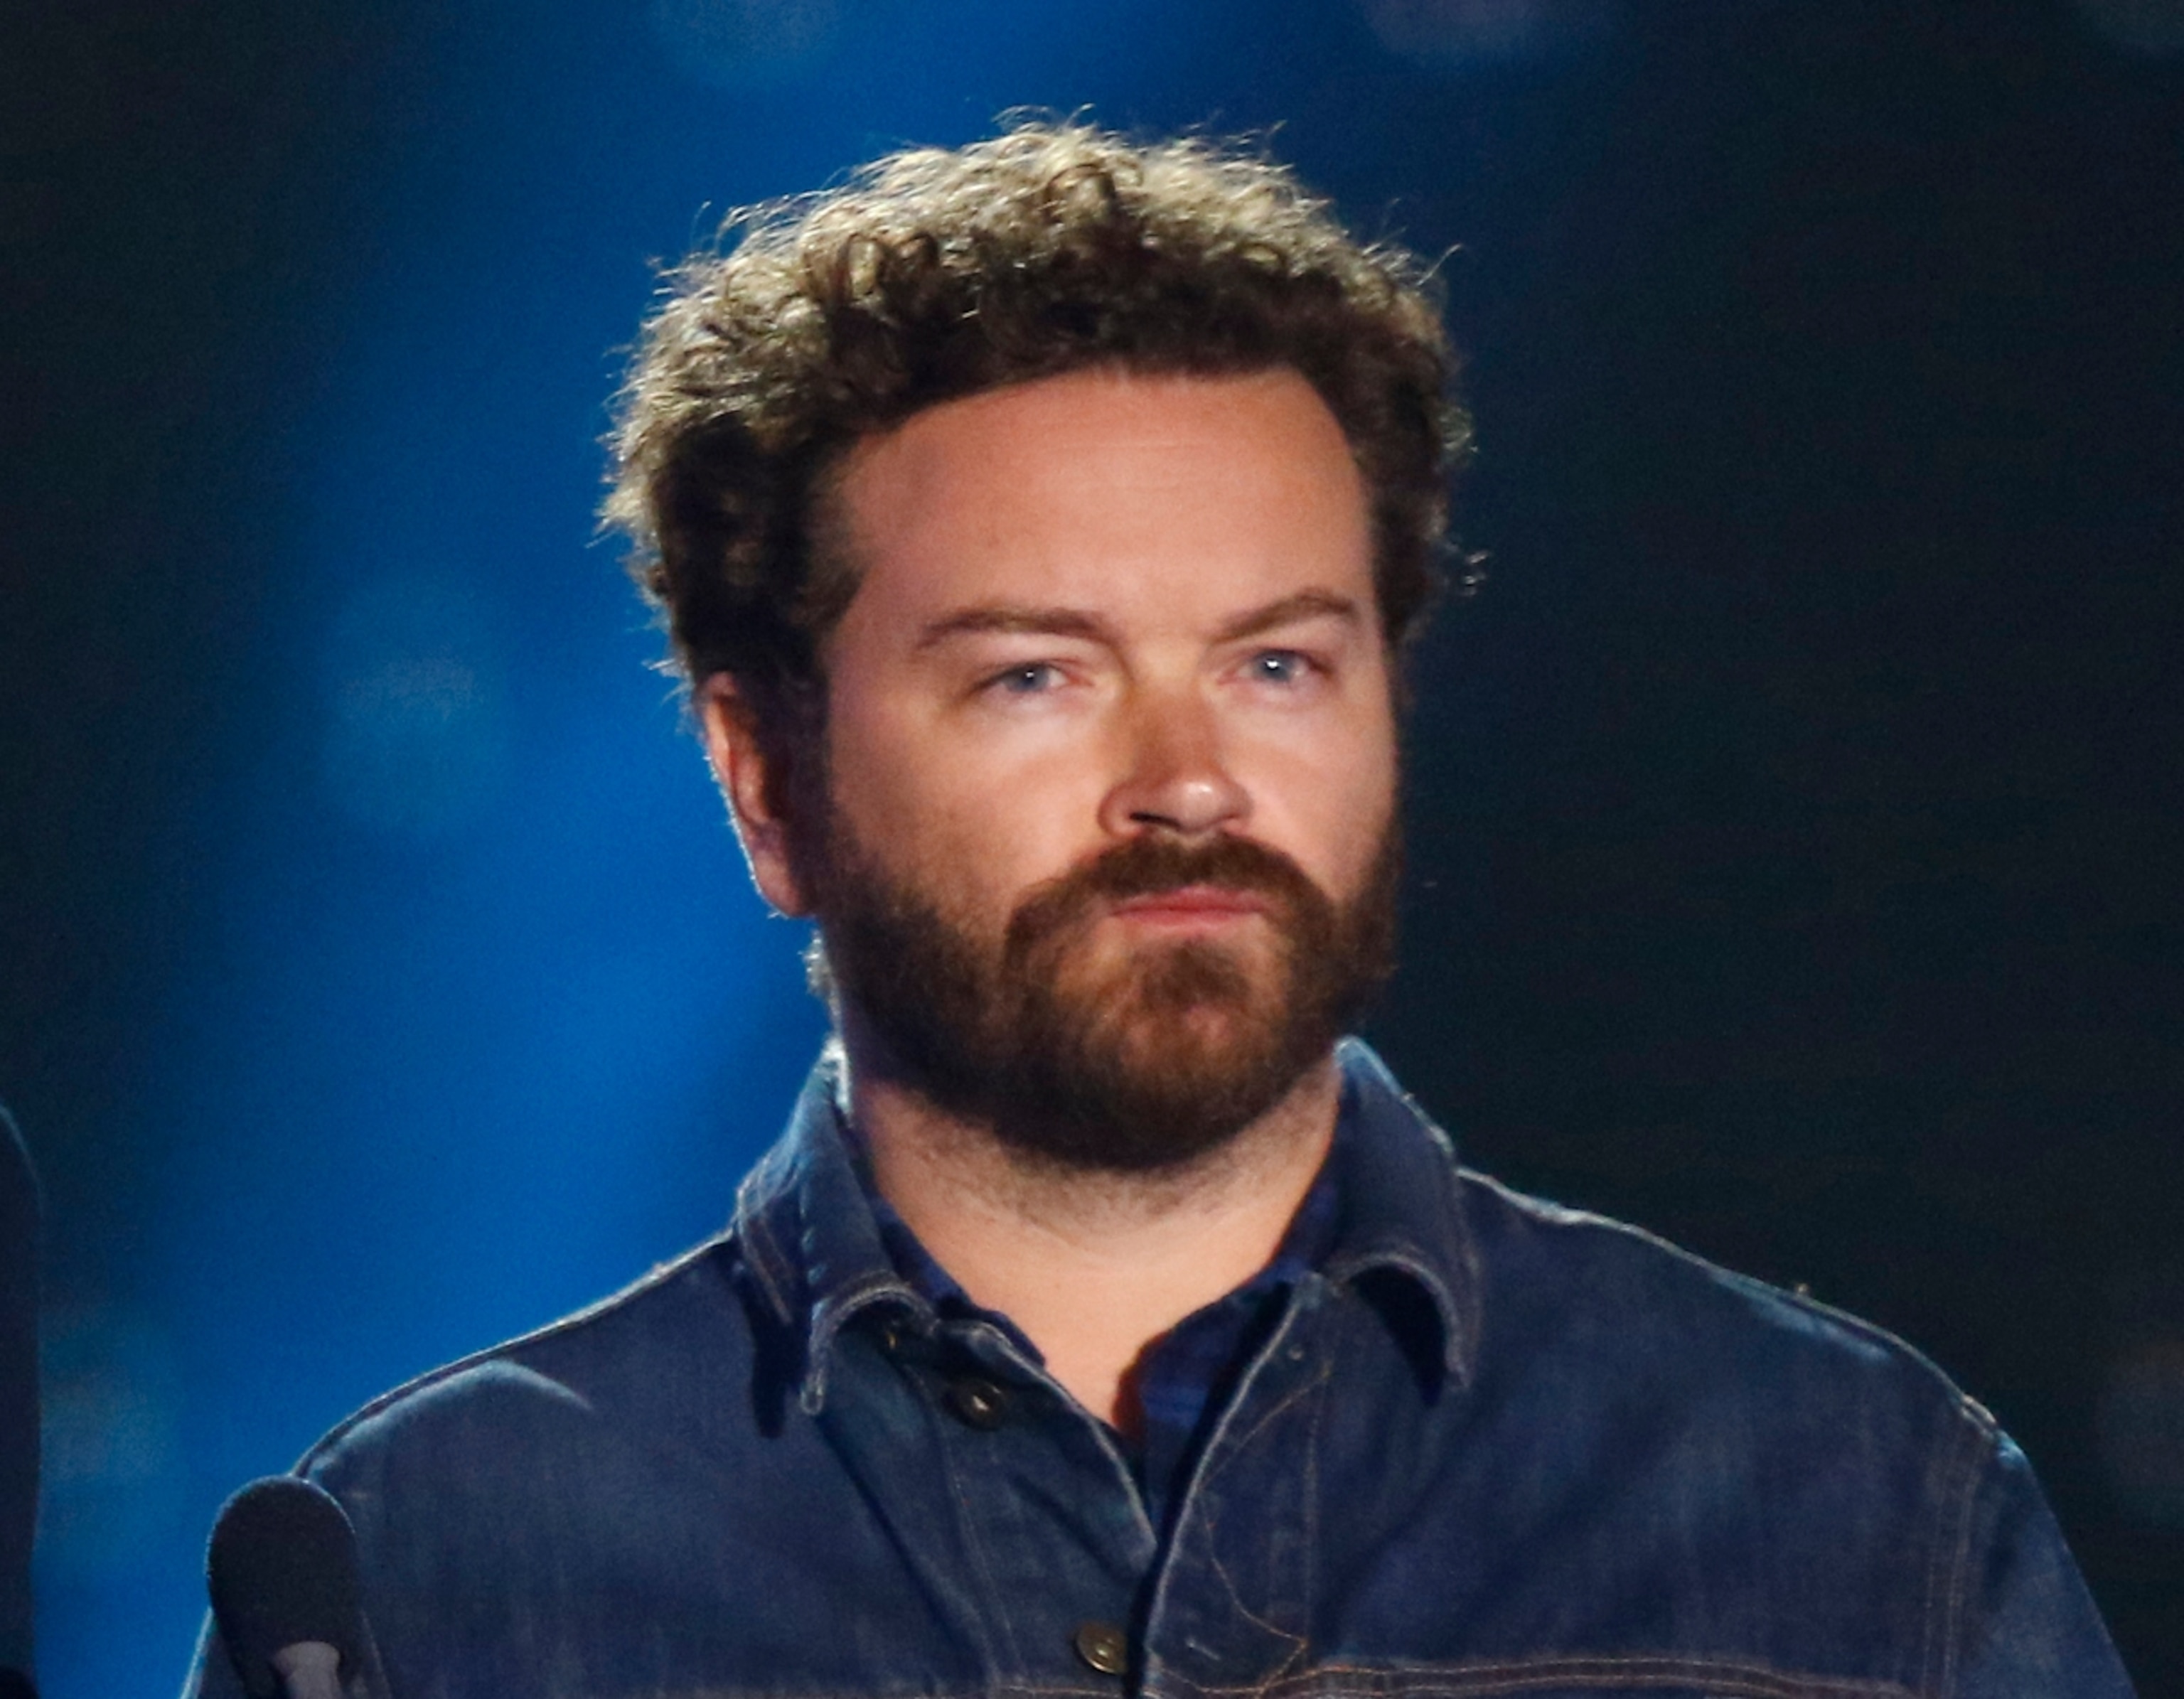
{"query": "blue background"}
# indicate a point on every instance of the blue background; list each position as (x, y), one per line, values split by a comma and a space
(1796, 813)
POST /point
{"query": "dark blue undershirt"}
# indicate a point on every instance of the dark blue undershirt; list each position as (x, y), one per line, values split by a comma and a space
(1184, 1376)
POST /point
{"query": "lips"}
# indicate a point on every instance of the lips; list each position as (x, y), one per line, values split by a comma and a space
(1193, 905)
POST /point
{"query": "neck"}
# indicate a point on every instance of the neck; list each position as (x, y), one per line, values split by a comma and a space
(1092, 1266)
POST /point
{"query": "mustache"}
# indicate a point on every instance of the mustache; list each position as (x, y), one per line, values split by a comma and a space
(1153, 865)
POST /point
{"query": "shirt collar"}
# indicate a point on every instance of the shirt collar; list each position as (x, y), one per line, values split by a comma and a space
(808, 1236)
(814, 1249)
(1402, 1204)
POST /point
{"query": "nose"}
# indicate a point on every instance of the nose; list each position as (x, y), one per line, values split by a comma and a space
(1174, 779)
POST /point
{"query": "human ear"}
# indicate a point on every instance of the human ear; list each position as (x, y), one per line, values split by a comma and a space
(746, 768)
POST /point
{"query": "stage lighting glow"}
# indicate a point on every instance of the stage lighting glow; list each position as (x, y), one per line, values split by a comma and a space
(111, 1490)
(2153, 28)
(733, 41)
(1455, 31)
(2142, 1427)
(416, 735)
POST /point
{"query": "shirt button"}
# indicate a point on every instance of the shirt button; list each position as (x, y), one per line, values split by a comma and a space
(977, 1401)
(1102, 1645)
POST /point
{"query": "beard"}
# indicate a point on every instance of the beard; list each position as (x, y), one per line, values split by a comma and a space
(1121, 1059)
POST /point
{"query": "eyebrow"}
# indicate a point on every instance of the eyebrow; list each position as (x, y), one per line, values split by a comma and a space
(1306, 605)
(1040, 621)
(1074, 622)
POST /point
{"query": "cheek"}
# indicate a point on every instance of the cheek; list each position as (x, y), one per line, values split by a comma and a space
(1326, 801)
(968, 816)
(1357, 824)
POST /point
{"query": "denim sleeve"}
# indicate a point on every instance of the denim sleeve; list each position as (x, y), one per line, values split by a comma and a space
(211, 1672)
(2028, 1628)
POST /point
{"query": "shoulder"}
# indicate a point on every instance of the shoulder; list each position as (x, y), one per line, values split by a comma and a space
(1824, 1460)
(1586, 1315)
(658, 1354)
(1620, 1320)
(1537, 1251)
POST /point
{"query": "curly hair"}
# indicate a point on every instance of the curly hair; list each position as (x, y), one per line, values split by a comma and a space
(935, 274)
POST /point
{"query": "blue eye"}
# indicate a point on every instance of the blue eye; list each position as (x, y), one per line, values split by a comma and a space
(1280, 666)
(1028, 680)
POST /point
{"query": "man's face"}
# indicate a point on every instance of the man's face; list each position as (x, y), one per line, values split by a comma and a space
(1110, 758)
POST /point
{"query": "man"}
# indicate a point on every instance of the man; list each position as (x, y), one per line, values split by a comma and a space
(1039, 528)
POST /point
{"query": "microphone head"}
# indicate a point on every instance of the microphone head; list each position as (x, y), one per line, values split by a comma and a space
(283, 1570)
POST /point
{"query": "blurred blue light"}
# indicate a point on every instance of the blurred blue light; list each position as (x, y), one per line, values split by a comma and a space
(416, 740)
(2151, 28)
(731, 42)
(110, 1486)
(1452, 32)
(2141, 1429)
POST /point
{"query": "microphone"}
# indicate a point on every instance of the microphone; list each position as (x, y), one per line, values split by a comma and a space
(282, 1570)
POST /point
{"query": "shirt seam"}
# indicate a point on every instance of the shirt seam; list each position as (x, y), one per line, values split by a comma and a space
(1722, 1676)
(1973, 1441)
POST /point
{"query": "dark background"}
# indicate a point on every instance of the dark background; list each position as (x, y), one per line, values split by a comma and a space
(1795, 812)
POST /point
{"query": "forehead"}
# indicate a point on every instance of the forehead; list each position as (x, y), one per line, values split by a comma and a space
(1165, 500)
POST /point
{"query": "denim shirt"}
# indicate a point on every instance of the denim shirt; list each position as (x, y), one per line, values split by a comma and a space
(1487, 1446)
(1184, 1372)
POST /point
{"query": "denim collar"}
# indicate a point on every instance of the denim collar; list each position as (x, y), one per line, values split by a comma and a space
(814, 1251)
